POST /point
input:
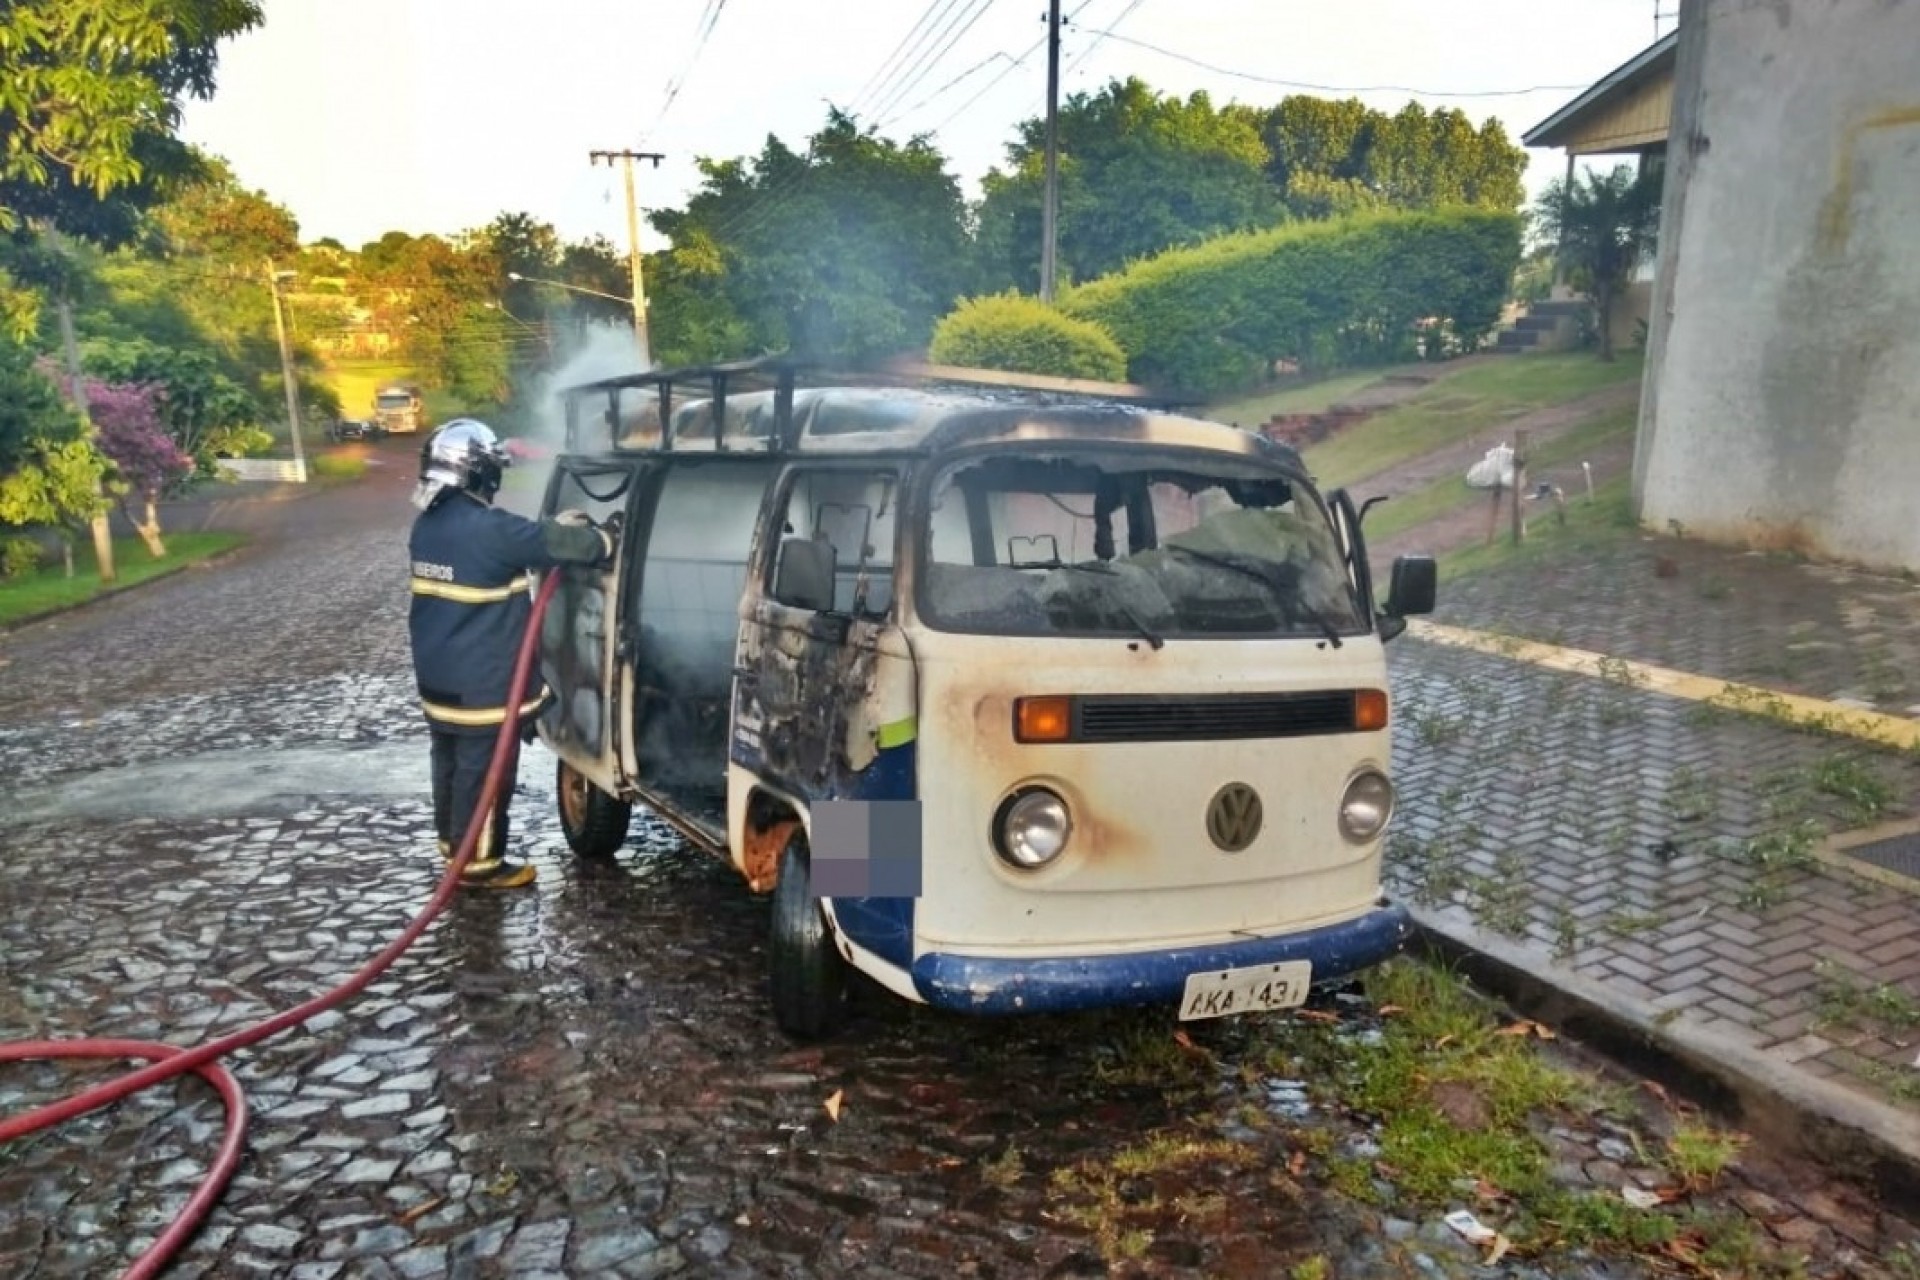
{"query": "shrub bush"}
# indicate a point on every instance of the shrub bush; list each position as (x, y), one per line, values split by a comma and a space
(18, 558)
(1212, 317)
(338, 466)
(1019, 334)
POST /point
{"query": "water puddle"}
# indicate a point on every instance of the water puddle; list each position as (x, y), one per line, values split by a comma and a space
(229, 784)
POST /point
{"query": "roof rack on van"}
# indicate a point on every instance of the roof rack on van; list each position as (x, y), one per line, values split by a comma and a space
(782, 373)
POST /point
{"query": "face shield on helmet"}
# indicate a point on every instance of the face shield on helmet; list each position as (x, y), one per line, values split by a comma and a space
(462, 455)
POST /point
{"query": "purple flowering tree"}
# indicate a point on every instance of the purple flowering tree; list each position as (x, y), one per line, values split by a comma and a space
(131, 430)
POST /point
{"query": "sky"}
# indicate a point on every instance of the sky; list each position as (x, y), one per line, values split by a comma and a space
(364, 116)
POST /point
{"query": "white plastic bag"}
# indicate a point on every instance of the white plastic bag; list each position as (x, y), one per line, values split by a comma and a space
(1494, 469)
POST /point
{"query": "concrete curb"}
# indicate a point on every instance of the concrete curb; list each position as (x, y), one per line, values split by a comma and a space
(10, 629)
(1788, 1111)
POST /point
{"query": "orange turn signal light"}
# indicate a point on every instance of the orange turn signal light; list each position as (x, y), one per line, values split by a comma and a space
(1369, 709)
(1042, 719)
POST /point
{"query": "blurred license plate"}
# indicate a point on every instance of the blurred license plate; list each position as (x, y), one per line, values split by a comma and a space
(1219, 992)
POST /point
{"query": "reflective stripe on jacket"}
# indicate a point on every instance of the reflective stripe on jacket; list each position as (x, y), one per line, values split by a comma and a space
(471, 602)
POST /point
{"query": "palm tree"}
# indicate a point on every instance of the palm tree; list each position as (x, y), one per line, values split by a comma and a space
(1604, 226)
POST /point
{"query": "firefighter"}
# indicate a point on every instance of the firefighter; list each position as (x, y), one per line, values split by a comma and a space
(471, 605)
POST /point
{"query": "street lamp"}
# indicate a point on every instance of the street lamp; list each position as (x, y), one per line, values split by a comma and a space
(274, 280)
(611, 297)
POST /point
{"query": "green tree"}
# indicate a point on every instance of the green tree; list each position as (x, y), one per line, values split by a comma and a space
(57, 486)
(691, 318)
(206, 413)
(1139, 173)
(1331, 157)
(193, 286)
(32, 411)
(89, 103)
(217, 218)
(1605, 226)
(49, 474)
(434, 295)
(524, 244)
(595, 264)
(853, 247)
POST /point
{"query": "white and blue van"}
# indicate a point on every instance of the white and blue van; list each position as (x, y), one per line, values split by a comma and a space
(1108, 680)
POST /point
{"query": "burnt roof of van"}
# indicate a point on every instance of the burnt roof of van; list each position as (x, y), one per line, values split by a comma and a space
(917, 411)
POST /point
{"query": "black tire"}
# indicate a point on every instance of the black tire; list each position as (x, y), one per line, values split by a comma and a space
(808, 977)
(594, 822)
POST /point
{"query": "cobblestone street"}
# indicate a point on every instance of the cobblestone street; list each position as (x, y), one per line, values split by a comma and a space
(217, 802)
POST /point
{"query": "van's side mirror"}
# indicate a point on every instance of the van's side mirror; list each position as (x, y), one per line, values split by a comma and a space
(803, 579)
(1412, 591)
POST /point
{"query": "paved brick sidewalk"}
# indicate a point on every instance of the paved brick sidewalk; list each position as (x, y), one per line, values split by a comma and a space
(1673, 857)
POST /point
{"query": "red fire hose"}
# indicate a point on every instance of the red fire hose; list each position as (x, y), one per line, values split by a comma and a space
(169, 1061)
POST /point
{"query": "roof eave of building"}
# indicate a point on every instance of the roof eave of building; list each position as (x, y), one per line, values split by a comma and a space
(1551, 131)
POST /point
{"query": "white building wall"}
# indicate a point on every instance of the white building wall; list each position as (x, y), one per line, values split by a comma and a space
(1782, 400)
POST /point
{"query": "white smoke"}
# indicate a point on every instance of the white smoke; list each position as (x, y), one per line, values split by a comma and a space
(592, 352)
(587, 354)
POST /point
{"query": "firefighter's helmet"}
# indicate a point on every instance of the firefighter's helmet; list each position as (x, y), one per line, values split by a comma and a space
(464, 454)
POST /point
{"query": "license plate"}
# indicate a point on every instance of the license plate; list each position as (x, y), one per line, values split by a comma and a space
(1219, 992)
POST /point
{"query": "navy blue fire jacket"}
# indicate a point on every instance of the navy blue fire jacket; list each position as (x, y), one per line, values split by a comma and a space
(471, 603)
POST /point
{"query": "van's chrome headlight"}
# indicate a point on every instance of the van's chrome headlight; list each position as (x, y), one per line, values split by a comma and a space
(1366, 807)
(1032, 828)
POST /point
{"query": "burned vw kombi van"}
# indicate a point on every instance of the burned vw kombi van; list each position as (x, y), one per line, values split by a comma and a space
(1105, 681)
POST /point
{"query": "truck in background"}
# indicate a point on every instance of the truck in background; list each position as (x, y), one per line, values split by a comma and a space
(399, 408)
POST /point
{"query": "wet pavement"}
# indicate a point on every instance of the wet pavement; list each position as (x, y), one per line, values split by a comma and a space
(217, 808)
(1691, 854)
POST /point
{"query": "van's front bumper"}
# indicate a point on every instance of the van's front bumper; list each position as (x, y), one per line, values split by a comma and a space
(993, 985)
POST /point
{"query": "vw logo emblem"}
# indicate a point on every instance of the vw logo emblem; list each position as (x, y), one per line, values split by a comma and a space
(1233, 817)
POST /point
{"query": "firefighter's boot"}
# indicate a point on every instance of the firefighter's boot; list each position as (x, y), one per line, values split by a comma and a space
(498, 873)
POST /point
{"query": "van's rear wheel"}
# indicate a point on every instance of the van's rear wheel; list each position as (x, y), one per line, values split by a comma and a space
(595, 823)
(809, 978)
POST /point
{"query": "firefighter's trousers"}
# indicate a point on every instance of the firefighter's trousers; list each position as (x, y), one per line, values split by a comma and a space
(460, 762)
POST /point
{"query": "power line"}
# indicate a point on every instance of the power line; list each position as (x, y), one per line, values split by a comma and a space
(989, 60)
(1336, 88)
(1013, 66)
(772, 199)
(1088, 51)
(709, 18)
(931, 59)
(887, 68)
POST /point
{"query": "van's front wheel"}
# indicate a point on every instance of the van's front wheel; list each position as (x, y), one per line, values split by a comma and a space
(809, 978)
(594, 822)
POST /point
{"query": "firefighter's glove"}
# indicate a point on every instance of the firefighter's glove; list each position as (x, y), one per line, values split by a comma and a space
(610, 532)
(577, 518)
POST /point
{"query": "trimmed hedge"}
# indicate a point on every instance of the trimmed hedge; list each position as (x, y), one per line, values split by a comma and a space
(1212, 317)
(1018, 334)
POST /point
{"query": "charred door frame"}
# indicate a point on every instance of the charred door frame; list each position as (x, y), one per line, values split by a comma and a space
(827, 626)
(636, 482)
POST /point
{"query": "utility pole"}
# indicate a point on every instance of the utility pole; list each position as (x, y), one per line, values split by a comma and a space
(286, 372)
(633, 243)
(1050, 207)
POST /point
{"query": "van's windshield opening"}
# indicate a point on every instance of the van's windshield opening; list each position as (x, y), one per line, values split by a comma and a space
(1131, 543)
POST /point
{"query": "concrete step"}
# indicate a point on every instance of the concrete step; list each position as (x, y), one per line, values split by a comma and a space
(1559, 307)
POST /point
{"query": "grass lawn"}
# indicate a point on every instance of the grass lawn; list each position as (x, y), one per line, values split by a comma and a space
(50, 589)
(1309, 397)
(1590, 526)
(1461, 405)
(338, 467)
(355, 382)
(1409, 509)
